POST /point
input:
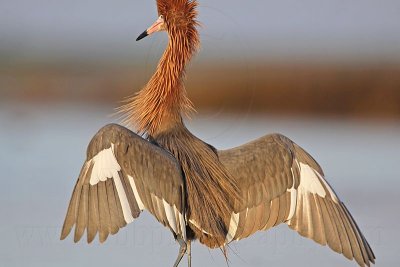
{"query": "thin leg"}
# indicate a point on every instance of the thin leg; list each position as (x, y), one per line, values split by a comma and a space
(189, 253)
(182, 251)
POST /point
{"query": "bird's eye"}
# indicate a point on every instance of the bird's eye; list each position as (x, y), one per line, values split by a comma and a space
(161, 17)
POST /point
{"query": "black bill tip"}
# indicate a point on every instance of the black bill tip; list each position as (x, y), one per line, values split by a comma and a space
(144, 34)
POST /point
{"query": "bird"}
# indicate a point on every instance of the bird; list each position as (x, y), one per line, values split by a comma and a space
(195, 190)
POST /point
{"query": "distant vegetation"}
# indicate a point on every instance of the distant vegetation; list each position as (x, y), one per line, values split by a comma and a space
(371, 91)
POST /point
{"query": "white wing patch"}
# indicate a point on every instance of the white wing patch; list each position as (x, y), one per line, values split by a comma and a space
(136, 193)
(126, 209)
(293, 202)
(331, 192)
(105, 166)
(233, 225)
(198, 226)
(182, 223)
(311, 181)
(169, 211)
(175, 219)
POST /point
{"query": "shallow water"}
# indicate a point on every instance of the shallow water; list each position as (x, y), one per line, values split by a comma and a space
(43, 149)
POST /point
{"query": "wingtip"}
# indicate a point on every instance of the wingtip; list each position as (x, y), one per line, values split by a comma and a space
(64, 233)
(78, 235)
(103, 236)
(90, 238)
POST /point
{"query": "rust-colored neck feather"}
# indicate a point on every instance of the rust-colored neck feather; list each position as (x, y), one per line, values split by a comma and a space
(159, 105)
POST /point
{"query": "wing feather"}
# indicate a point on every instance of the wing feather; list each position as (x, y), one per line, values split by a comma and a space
(82, 213)
(241, 224)
(163, 215)
(273, 215)
(342, 238)
(104, 213)
(331, 232)
(282, 209)
(156, 207)
(259, 218)
(318, 221)
(112, 207)
(133, 205)
(249, 222)
(93, 224)
(72, 211)
(267, 214)
(365, 248)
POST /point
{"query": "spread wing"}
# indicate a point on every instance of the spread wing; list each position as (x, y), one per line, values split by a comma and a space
(280, 182)
(123, 175)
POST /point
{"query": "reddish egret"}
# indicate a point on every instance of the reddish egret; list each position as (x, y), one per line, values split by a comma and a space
(199, 192)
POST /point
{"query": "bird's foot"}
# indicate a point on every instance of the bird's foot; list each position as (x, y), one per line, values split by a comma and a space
(182, 251)
(189, 253)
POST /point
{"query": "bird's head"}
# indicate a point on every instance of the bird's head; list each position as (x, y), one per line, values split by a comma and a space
(175, 16)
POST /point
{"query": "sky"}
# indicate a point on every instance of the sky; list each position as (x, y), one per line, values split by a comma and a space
(289, 29)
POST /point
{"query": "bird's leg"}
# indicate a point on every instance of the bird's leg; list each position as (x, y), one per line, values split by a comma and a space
(182, 251)
(189, 253)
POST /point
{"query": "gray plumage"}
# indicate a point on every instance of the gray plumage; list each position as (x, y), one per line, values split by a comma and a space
(97, 208)
(264, 171)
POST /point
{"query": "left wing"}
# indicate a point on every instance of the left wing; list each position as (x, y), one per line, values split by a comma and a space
(280, 182)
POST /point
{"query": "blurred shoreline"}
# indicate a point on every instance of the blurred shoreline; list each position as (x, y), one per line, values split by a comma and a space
(368, 90)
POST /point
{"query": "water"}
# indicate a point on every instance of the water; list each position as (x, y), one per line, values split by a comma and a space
(42, 149)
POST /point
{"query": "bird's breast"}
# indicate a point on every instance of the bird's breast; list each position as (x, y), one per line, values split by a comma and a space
(210, 190)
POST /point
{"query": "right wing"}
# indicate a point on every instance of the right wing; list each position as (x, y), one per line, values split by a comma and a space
(123, 175)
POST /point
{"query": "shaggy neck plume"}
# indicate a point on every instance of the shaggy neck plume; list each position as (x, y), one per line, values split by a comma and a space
(159, 105)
